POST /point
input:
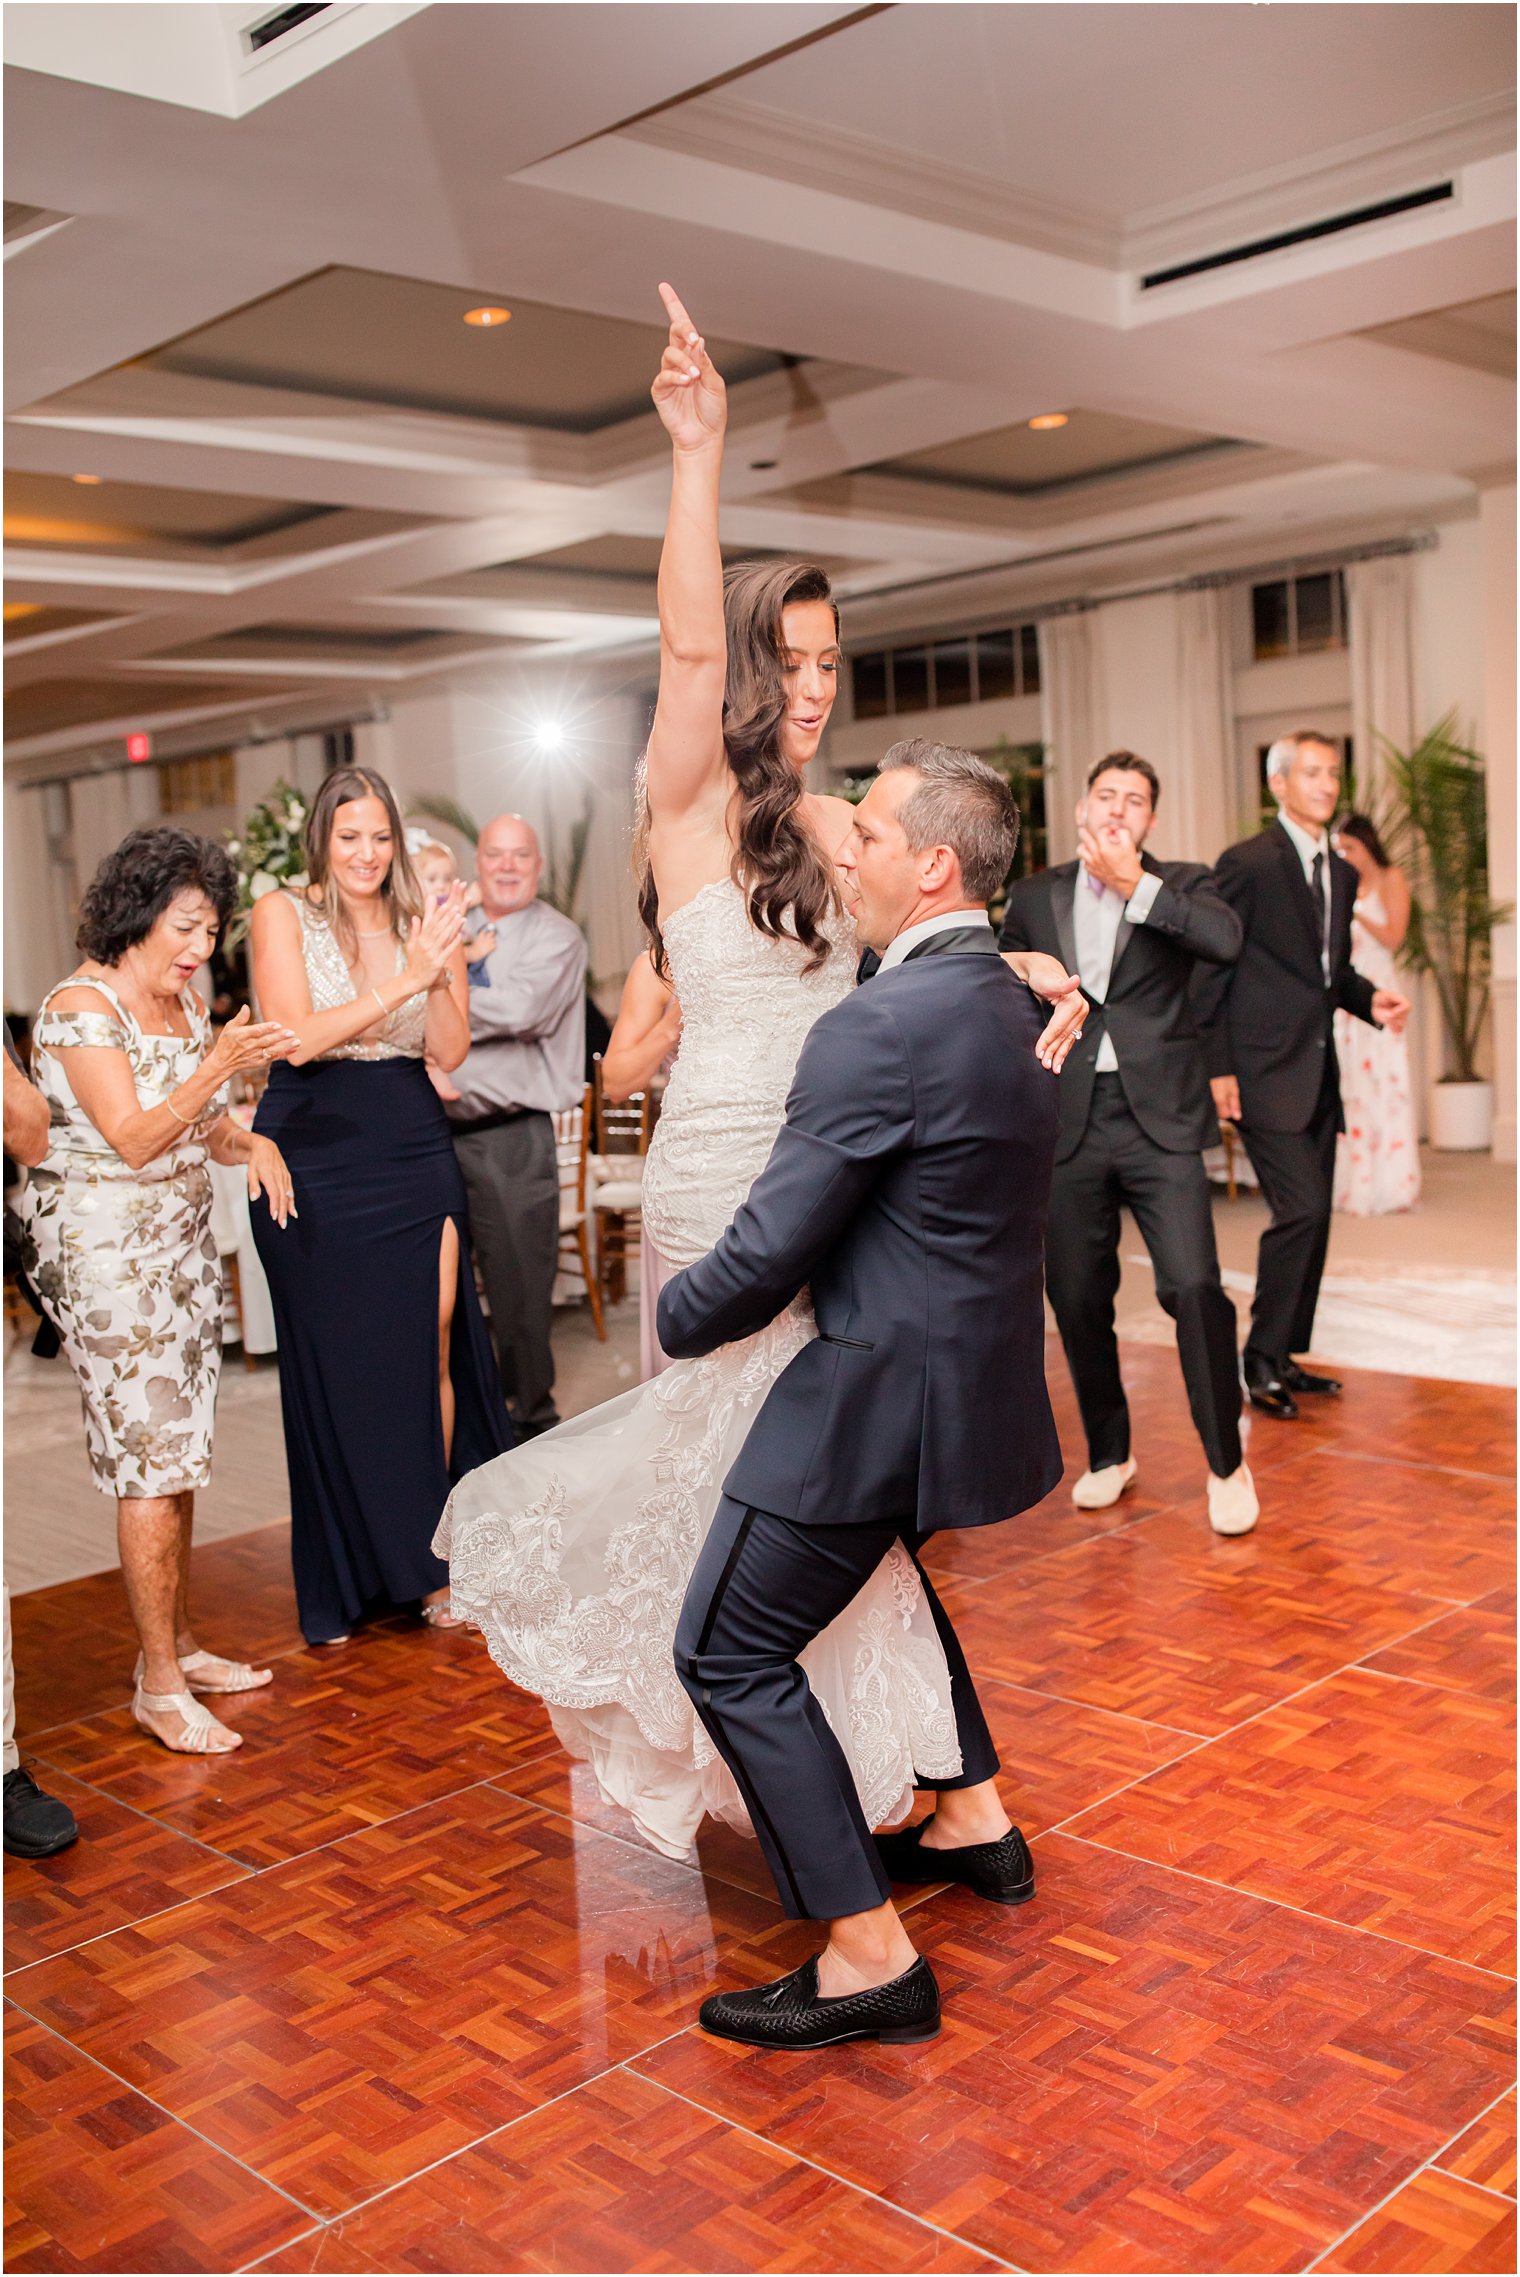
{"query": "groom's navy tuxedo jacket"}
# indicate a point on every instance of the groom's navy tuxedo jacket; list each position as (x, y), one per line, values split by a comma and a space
(908, 1188)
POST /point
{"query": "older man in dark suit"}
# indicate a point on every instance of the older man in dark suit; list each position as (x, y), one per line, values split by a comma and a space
(907, 1189)
(1135, 1118)
(1268, 1020)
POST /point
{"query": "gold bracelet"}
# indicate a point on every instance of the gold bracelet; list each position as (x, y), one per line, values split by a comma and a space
(189, 1121)
(385, 1010)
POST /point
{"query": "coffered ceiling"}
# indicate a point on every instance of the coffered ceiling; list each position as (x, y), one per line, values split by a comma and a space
(908, 231)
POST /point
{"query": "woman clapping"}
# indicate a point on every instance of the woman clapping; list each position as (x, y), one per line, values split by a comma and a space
(387, 1381)
(117, 1234)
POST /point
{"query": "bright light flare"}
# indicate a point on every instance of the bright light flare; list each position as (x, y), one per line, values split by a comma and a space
(548, 736)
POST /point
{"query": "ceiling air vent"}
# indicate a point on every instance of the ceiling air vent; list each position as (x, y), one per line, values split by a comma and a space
(1384, 210)
(280, 25)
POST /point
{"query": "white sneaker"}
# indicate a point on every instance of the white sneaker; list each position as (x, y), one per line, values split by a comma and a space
(1233, 1507)
(1100, 1490)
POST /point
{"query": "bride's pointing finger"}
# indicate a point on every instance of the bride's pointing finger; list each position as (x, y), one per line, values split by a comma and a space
(682, 330)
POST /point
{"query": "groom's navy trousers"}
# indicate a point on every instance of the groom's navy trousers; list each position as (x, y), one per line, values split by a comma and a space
(907, 1189)
(763, 1588)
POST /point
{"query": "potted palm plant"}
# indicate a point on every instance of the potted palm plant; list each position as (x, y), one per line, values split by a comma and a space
(1435, 824)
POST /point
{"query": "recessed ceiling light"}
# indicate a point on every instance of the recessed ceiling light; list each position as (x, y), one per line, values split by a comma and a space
(90, 478)
(487, 316)
(1049, 419)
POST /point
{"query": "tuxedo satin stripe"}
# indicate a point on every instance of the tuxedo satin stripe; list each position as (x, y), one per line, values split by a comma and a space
(969, 941)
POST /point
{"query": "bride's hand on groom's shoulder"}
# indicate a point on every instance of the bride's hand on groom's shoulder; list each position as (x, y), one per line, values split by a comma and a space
(1047, 977)
(688, 388)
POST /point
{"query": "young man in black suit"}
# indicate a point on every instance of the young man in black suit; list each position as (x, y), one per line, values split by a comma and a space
(1268, 1021)
(1135, 1118)
(907, 1191)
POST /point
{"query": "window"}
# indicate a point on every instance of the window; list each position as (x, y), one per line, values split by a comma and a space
(869, 679)
(185, 786)
(997, 665)
(910, 680)
(952, 673)
(1023, 767)
(964, 668)
(1297, 616)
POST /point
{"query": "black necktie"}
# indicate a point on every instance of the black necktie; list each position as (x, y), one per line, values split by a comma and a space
(870, 963)
(1321, 904)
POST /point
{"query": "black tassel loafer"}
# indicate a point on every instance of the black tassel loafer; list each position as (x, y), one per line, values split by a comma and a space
(792, 2014)
(1001, 1871)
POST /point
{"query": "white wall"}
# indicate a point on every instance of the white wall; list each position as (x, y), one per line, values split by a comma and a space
(1496, 541)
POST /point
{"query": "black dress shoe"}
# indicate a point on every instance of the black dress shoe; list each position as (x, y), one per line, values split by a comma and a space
(1001, 1871)
(791, 2013)
(35, 1824)
(1300, 1379)
(1268, 1391)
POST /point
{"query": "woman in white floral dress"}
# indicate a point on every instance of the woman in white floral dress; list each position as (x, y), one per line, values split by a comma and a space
(1377, 1156)
(116, 1230)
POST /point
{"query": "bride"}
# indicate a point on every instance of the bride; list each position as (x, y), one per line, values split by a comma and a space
(572, 1553)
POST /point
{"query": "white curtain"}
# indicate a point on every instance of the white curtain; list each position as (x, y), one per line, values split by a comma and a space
(1379, 597)
(103, 808)
(39, 923)
(1198, 812)
(1069, 722)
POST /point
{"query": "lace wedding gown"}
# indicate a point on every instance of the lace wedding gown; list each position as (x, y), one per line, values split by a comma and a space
(572, 1553)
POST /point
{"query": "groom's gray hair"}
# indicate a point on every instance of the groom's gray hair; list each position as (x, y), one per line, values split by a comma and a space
(962, 803)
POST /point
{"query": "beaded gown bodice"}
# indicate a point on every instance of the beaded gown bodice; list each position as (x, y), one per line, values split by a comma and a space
(747, 1003)
(399, 1036)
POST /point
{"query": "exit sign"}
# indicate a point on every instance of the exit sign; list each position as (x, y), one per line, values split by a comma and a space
(139, 747)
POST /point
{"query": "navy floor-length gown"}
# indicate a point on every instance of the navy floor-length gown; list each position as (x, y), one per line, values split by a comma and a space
(354, 1280)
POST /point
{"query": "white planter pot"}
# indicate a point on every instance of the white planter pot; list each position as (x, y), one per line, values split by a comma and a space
(1462, 1117)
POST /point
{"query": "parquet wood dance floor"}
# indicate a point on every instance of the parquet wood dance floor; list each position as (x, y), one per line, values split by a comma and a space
(392, 1989)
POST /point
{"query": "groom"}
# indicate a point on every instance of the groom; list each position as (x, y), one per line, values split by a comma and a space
(908, 1190)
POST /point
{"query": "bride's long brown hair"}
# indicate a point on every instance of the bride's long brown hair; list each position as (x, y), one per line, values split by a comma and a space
(776, 864)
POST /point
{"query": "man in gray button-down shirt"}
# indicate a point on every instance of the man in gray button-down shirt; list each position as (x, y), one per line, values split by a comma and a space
(526, 1061)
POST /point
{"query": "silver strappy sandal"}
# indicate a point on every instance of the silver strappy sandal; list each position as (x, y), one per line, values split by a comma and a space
(202, 1733)
(208, 1672)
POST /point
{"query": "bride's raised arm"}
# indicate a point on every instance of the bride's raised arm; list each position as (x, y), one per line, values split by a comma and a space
(685, 764)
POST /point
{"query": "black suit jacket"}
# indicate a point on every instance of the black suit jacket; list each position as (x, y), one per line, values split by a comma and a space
(908, 1187)
(1149, 1010)
(1267, 1019)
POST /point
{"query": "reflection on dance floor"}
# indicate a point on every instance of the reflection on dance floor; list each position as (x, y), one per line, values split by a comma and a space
(390, 1989)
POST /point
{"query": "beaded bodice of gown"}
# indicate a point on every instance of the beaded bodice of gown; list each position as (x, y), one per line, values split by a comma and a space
(400, 1035)
(747, 1003)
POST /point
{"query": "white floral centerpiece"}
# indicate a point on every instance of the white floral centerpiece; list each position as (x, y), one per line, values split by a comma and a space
(270, 853)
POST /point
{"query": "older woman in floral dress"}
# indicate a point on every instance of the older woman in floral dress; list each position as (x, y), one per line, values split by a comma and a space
(116, 1230)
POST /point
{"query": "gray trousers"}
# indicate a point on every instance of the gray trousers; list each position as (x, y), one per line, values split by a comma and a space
(511, 1177)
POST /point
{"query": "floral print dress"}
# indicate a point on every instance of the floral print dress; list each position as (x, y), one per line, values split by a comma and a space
(1377, 1156)
(123, 1259)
